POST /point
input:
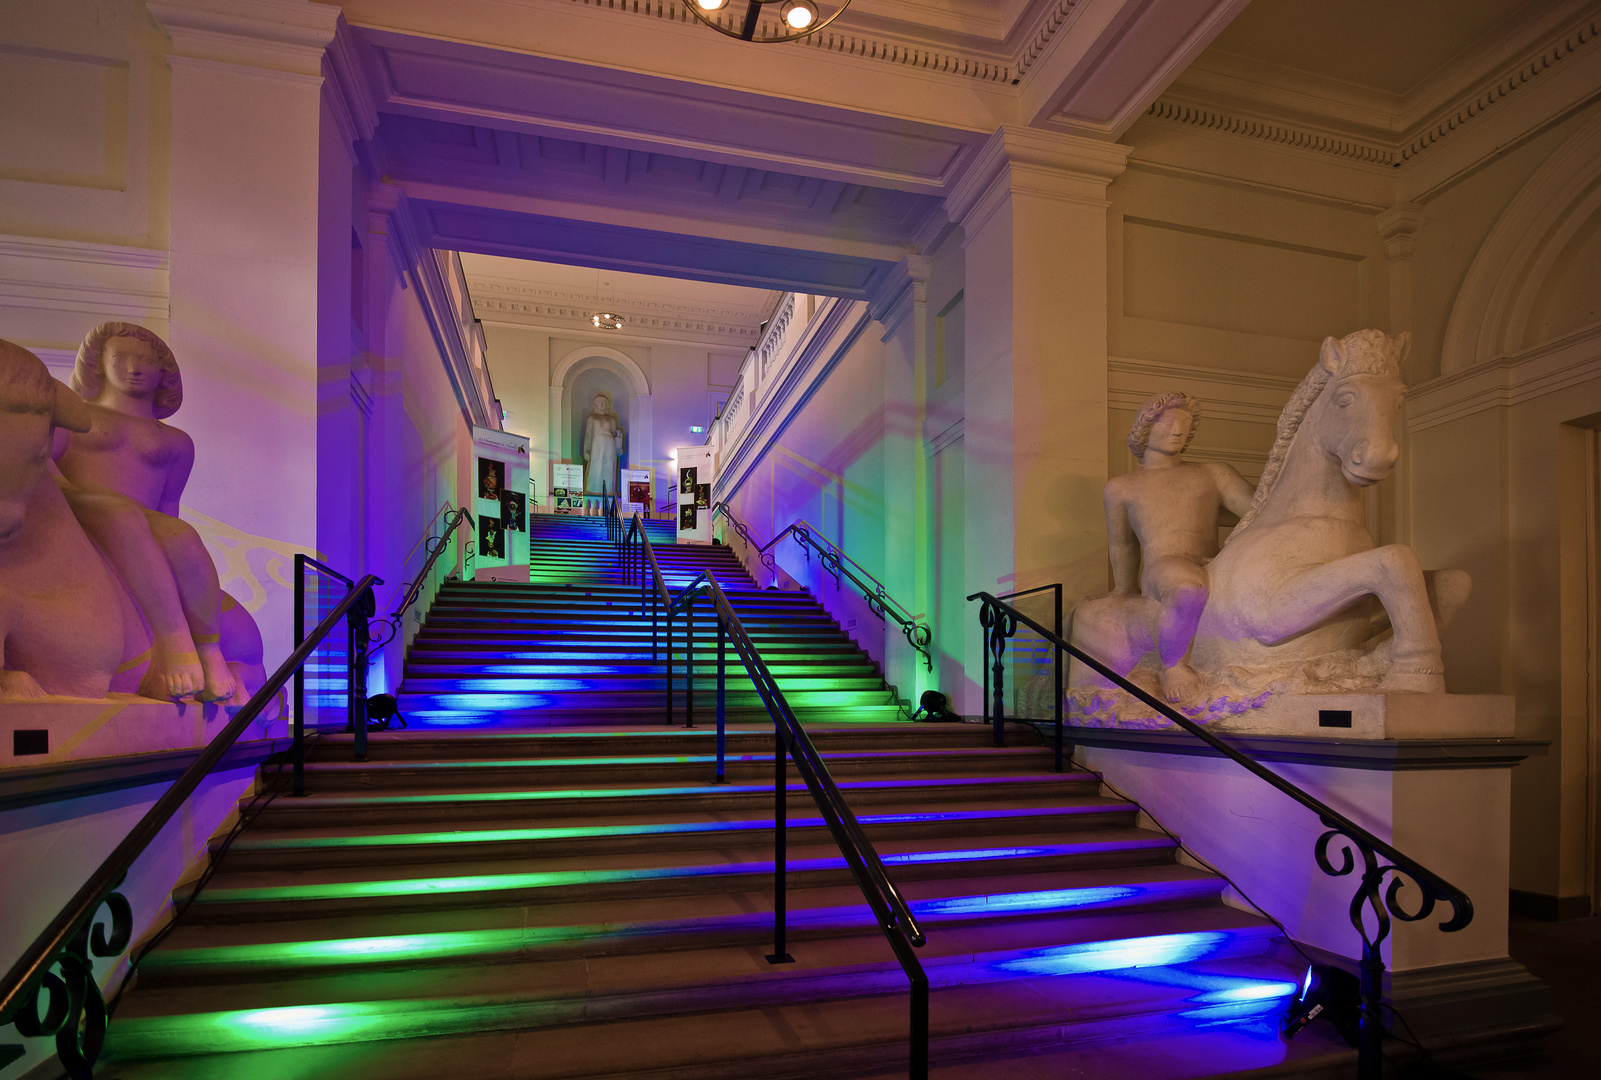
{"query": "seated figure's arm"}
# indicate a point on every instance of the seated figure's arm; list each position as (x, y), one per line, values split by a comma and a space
(1122, 543)
(1234, 490)
(178, 474)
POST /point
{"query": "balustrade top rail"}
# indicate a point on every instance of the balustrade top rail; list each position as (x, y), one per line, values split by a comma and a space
(832, 559)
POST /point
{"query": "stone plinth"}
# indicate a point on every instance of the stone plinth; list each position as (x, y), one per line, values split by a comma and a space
(1377, 716)
(119, 725)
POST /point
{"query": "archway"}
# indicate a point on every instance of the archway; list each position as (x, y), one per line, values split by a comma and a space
(576, 378)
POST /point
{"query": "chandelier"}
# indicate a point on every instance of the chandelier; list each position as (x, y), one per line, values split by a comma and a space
(797, 18)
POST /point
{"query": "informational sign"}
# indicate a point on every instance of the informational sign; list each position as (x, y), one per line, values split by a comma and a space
(637, 486)
(498, 500)
(564, 475)
(696, 475)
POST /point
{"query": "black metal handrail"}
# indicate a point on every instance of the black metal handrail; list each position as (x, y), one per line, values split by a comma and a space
(999, 621)
(436, 547)
(790, 743)
(918, 635)
(75, 1012)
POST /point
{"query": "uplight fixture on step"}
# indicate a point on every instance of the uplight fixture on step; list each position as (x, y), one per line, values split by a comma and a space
(796, 18)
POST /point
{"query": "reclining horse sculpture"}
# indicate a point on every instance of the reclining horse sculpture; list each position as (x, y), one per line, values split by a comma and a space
(1290, 606)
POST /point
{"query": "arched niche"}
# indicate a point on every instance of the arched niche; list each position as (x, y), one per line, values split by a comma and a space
(1520, 281)
(575, 378)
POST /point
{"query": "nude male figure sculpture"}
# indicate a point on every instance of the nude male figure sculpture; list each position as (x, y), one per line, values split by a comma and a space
(125, 476)
(1161, 524)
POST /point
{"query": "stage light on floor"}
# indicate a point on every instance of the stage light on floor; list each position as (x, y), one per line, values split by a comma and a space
(1326, 991)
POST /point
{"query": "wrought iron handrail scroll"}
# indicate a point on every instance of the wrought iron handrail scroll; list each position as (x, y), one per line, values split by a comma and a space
(75, 1010)
(918, 635)
(791, 743)
(1357, 845)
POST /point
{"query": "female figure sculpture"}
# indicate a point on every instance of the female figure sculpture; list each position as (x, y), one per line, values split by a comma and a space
(603, 438)
(125, 476)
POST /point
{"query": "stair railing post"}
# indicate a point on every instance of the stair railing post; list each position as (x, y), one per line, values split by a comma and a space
(299, 784)
(356, 623)
(689, 661)
(1058, 698)
(918, 1066)
(722, 703)
(780, 849)
(669, 666)
(999, 625)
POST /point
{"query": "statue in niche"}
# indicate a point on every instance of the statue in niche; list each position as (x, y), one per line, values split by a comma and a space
(1289, 603)
(603, 443)
(1161, 525)
(125, 476)
(67, 625)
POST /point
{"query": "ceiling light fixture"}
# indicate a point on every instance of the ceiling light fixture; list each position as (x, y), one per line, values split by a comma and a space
(796, 19)
(606, 320)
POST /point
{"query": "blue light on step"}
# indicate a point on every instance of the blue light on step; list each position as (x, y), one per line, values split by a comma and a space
(1039, 900)
(1095, 956)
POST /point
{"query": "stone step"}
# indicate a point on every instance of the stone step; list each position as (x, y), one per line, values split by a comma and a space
(854, 959)
(583, 743)
(379, 940)
(379, 774)
(834, 1037)
(328, 890)
(522, 805)
(264, 849)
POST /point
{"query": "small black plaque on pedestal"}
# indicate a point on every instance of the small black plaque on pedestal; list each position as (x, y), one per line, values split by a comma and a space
(1334, 718)
(28, 741)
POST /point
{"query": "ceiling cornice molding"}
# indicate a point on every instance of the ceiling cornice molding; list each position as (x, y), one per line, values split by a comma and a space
(1282, 132)
(1358, 128)
(569, 308)
(1507, 80)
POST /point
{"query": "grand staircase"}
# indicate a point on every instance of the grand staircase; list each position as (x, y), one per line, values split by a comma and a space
(574, 646)
(519, 888)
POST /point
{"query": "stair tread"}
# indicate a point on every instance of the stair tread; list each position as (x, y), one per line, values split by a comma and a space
(929, 897)
(954, 954)
(698, 1044)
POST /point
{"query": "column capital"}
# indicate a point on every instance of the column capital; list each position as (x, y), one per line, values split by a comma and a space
(286, 36)
(902, 288)
(1049, 164)
(1396, 227)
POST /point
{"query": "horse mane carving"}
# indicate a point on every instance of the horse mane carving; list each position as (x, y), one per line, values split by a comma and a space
(1366, 352)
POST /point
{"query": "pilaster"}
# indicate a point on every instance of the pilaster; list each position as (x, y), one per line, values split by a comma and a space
(1033, 210)
(244, 257)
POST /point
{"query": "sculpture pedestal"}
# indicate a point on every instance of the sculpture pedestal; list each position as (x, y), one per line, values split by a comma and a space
(1443, 798)
(54, 730)
(1377, 716)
